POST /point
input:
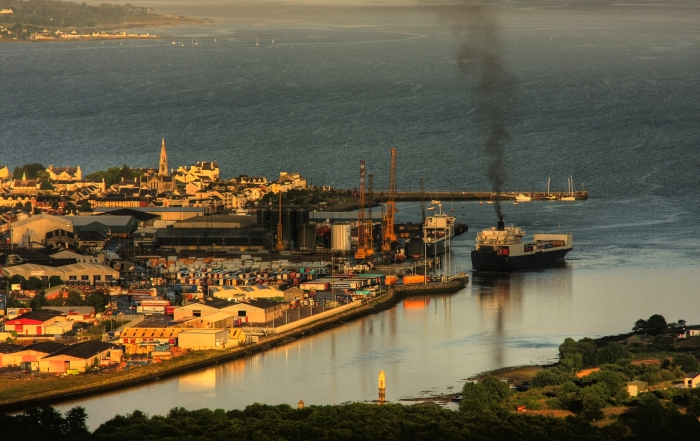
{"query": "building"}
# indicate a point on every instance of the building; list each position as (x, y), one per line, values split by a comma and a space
(58, 328)
(113, 226)
(218, 320)
(240, 292)
(44, 229)
(88, 273)
(140, 340)
(77, 313)
(30, 354)
(64, 173)
(204, 339)
(691, 380)
(166, 214)
(261, 310)
(80, 357)
(636, 387)
(33, 323)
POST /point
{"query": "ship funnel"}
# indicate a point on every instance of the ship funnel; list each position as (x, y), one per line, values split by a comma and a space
(501, 223)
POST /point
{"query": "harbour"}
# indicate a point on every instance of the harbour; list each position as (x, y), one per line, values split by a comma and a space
(612, 111)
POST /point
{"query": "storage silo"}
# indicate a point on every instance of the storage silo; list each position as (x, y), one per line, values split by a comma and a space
(306, 237)
(340, 237)
(302, 216)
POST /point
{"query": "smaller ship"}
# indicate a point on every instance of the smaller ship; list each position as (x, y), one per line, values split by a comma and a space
(522, 197)
(502, 248)
(438, 230)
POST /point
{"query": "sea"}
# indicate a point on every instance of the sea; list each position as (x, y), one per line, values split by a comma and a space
(603, 94)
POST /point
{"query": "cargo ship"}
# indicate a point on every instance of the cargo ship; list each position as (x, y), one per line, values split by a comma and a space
(502, 248)
(438, 230)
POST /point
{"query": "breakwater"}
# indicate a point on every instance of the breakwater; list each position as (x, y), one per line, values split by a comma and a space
(412, 196)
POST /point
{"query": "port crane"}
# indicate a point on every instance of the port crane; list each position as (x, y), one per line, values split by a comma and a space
(364, 248)
(389, 236)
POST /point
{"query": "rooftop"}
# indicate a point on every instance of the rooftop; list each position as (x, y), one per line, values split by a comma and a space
(84, 350)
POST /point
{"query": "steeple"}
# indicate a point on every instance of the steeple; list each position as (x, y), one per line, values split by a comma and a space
(163, 168)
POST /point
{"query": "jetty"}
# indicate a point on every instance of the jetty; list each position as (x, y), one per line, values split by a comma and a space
(413, 196)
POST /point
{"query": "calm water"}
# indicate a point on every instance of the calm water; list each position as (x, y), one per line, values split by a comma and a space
(608, 96)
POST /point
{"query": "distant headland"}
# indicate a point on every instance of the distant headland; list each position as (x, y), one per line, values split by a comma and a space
(53, 20)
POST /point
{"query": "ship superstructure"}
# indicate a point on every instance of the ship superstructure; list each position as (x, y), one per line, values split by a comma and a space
(503, 248)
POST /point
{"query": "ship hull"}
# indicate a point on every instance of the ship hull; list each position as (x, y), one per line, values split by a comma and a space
(488, 260)
(415, 248)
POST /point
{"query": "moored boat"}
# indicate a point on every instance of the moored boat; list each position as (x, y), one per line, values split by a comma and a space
(438, 230)
(502, 248)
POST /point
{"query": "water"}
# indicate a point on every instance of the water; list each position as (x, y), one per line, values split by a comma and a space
(606, 95)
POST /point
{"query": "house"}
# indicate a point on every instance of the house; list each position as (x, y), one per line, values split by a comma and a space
(691, 380)
(692, 331)
(64, 173)
(634, 388)
(204, 339)
(30, 354)
(80, 356)
(33, 323)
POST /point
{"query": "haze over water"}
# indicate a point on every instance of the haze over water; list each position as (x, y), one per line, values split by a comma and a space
(607, 94)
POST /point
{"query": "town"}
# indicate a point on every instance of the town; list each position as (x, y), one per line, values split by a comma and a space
(128, 267)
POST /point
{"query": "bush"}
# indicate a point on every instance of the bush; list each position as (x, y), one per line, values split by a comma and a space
(686, 362)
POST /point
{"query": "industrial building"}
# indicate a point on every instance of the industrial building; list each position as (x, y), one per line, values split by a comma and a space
(79, 357)
(204, 339)
(90, 273)
(33, 323)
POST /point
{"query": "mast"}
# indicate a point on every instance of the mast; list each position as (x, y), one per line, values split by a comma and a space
(389, 234)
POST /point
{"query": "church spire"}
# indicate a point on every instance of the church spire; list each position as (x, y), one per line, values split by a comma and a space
(163, 168)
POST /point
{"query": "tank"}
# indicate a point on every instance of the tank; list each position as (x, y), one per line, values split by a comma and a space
(302, 216)
(306, 237)
(289, 230)
(340, 237)
(274, 218)
(264, 219)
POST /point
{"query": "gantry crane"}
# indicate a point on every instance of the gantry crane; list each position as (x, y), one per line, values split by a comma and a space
(389, 235)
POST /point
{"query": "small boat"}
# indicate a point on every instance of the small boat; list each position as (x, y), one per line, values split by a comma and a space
(516, 202)
(489, 202)
(521, 197)
(481, 202)
(570, 194)
(549, 197)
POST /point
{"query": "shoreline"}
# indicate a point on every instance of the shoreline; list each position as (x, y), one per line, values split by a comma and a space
(157, 372)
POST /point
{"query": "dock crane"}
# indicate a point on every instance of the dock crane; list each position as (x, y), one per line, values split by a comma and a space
(364, 249)
(280, 245)
(389, 235)
(369, 233)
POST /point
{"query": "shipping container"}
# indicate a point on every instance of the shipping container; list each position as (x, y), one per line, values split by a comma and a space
(411, 280)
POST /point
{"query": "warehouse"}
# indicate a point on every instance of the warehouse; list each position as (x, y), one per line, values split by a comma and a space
(30, 354)
(33, 323)
(90, 273)
(209, 239)
(218, 320)
(203, 339)
(113, 226)
(144, 340)
(80, 357)
(261, 310)
(36, 228)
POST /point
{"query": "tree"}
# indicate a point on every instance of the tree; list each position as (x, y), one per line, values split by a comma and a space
(641, 326)
(657, 324)
(97, 300)
(491, 393)
(686, 362)
(593, 400)
(612, 353)
(34, 283)
(74, 299)
(55, 281)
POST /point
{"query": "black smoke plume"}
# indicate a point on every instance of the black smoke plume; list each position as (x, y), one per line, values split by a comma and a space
(481, 61)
